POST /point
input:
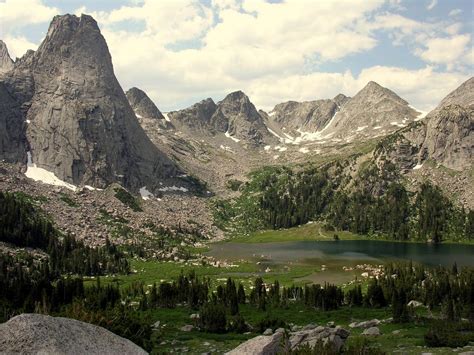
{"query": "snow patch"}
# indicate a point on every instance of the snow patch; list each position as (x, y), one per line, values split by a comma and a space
(44, 176)
(397, 124)
(267, 147)
(276, 157)
(276, 134)
(167, 119)
(28, 121)
(377, 127)
(174, 188)
(226, 148)
(417, 166)
(280, 149)
(421, 115)
(138, 116)
(272, 113)
(145, 194)
(303, 150)
(92, 188)
(361, 128)
(227, 134)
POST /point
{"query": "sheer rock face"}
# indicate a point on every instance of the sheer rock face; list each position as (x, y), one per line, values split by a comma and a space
(308, 116)
(445, 135)
(41, 334)
(6, 63)
(142, 104)
(82, 127)
(373, 111)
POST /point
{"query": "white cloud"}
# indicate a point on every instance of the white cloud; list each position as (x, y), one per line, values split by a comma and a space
(445, 50)
(455, 12)
(183, 51)
(432, 5)
(17, 46)
(19, 13)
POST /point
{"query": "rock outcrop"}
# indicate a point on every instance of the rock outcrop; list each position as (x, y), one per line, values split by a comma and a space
(6, 63)
(142, 104)
(82, 127)
(279, 343)
(40, 334)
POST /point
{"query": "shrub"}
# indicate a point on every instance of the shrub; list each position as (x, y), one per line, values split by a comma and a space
(270, 321)
(212, 318)
(127, 199)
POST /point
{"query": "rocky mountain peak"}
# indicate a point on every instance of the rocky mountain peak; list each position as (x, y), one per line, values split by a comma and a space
(372, 112)
(237, 103)
(341, 99)
(80, 125)
(6, 63)
(142, 104)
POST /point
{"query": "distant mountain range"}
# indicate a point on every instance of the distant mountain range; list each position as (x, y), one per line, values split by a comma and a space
(62, 110)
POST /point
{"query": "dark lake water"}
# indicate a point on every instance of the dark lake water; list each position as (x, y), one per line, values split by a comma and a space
(346, 250)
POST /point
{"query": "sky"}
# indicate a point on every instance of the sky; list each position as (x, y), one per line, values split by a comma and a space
(183, 51)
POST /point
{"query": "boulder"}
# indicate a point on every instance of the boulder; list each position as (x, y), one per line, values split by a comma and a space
(268, 331)
(187, 328)
(414, 304)
(372, 331)
(261, 345)
(366, 324)
(41, 334)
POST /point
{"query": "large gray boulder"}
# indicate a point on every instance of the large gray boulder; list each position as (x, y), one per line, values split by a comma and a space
(41, 334)
(261, 345)
(308, 336)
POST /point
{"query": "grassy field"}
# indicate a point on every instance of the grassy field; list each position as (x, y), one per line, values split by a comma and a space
(307, 232)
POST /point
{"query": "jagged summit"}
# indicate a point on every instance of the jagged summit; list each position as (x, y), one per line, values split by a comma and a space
(6, 63)
(142, 104)
(80, 124)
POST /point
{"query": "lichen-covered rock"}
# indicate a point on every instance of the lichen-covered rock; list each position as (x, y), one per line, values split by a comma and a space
(261, 345)
(372, 331)
(41, 334)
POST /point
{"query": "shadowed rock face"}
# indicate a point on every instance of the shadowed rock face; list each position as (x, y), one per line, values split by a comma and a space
(142, 104)
(40, 334)
(82, 127)
(12, 129)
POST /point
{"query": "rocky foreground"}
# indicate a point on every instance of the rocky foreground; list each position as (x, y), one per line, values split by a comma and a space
(40, 334)
(281, 342)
